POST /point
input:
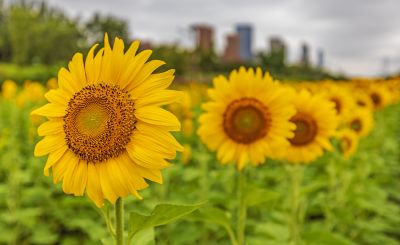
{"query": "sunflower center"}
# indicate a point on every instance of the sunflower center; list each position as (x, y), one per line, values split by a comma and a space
(306, 129)
(356, 125)
(376, 99)
(345, 144)
(246, 120)
(338, 105)
(99, 122)
(361, 103)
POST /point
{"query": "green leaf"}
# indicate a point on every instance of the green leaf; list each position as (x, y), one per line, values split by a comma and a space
(211, 214)
(321, 237)
(144, 237)
(161, 215)
(256, 196)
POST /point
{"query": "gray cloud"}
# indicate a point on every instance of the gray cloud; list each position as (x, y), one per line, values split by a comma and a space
(355, 34)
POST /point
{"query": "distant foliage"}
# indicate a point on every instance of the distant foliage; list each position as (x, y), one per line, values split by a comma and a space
(34, 33)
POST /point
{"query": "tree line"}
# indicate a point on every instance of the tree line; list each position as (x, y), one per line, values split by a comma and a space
(35, 33)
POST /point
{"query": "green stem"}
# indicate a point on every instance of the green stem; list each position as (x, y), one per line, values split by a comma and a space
(231, 235)
(119, 220)
(105, 213)
(295, 172)
(242, 209)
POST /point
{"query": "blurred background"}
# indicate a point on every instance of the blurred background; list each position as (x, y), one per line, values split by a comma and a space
(302, 43)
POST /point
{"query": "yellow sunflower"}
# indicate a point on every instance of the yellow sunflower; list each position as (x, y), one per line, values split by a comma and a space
(316, 122)
(362, 99)
(348, 141)
(341, 97)
(248, 117)
(379, 95)
(106, 131)
(8, 89)
(361, 121)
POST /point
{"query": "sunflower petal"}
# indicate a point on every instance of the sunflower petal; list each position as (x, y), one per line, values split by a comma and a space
(50, 110)
(158, 116)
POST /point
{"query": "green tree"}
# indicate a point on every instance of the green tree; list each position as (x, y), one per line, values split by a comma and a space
(98, 25)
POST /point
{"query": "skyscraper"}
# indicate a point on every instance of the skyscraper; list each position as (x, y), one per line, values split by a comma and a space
(320, 59)
(245, 32)
(277, 49)
(204, 37)
(305, 55)
(232, 52)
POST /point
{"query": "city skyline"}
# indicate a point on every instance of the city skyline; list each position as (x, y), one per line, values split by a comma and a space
(358, 39)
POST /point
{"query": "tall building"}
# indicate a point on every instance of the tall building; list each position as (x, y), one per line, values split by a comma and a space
(245, 32)
(232, 52)
(277, 48)
(204, 37)
(305, 55)
(320, 59)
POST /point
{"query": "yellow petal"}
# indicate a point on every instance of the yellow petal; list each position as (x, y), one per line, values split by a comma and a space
(54, 126)
(160, 135)
(77, 70)
(61, 166)
(127, 77)
(159, 98)
(106, 188)
(154, 82)
(91, 68)
(68, 180)
(49, 144)
(145, 157)
(158, 116)
(58, 96)
(53, 158)
(50, 110)
(118, 182)
(144, 73)
(93, 185)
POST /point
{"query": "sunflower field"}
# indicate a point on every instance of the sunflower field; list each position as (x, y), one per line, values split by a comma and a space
(259, 161)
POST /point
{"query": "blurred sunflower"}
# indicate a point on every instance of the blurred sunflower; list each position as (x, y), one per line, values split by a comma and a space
(316, 121)
(363, 100)
(106, 131)
(348, 141)
(379, 95)
(248, 117)
(8, 89)
(342, 99)
(361, 121)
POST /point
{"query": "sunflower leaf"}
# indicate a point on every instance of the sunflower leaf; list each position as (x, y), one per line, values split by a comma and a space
(162, 214)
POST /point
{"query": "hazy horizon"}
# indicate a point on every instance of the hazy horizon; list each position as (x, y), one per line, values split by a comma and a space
(356, 36)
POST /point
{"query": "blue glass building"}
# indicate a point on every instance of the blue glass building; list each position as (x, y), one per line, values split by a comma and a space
(245, 32)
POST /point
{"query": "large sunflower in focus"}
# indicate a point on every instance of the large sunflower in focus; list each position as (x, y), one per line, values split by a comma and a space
(316, 122)
(248, 117)
(106, 131)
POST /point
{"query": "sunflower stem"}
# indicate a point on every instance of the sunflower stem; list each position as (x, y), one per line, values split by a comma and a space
(295, 172)
(242, 209)
(119, 220)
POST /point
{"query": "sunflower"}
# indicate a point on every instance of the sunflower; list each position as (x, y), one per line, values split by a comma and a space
(106, 132)
(361, 121)
(341, 97)
(8, 89)
(316, 122)
(348, 142)
(379, 95)
(248, 117)
(363, 100)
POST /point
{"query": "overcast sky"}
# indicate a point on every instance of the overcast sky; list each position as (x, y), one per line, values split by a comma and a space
(356, 35)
